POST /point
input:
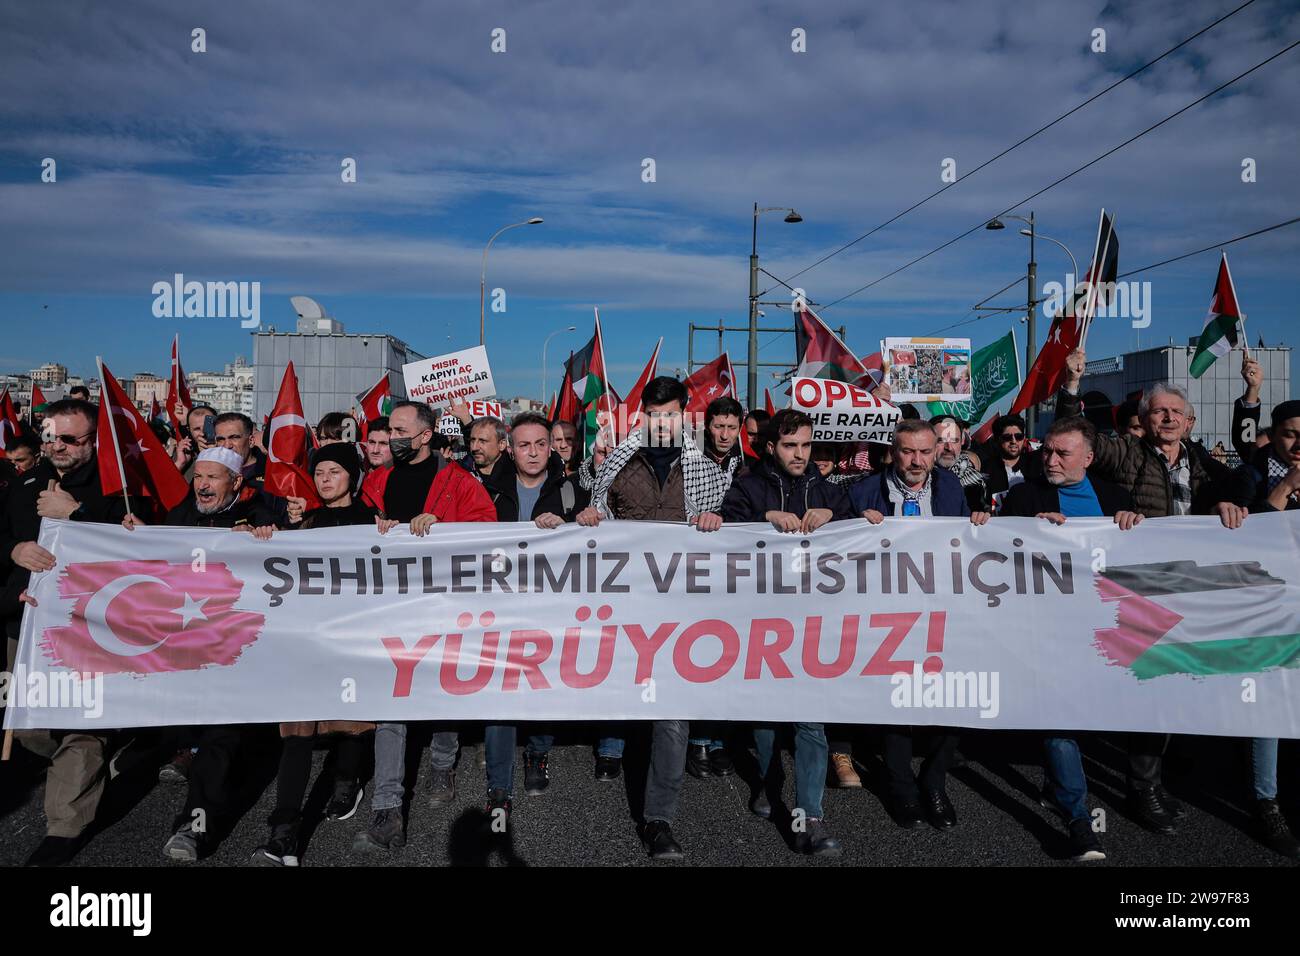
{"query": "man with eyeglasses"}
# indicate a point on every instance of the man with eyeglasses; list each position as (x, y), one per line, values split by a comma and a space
(66, 485)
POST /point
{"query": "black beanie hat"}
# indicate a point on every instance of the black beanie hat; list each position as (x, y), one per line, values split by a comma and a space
(344, 454)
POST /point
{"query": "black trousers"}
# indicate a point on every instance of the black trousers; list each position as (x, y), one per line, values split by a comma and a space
(210, 783)
(1145, 753)
(898, 752)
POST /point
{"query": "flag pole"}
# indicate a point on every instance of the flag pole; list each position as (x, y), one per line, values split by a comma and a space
(1097, 265)
(604, 368)
(112, 430)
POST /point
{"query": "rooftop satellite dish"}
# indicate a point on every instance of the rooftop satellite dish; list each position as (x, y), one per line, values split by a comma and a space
(306, 307)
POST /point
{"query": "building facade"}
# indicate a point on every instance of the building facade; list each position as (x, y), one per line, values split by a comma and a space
(333, 367)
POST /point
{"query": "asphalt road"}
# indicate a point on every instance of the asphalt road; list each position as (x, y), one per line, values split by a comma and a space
(581, 822)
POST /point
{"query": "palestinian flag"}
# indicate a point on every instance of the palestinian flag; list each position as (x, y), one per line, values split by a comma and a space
(376, 402)
(39, 402)
(1178, 617)
(820, 353)
(590, 385)
(1219, 336)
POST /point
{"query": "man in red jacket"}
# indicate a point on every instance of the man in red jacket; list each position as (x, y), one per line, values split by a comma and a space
(424, 489)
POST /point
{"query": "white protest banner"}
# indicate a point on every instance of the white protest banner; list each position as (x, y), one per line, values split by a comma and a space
(445, 380)
(449, 425)
(927, 369)
(1176, 626)
(485, 409)
(844, 412)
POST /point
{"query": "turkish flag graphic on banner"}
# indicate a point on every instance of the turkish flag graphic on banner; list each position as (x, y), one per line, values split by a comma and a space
(286, 450)
(146, 617)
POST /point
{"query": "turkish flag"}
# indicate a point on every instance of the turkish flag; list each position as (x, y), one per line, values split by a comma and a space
(286, 448)
(629, 412)
(714, 380)
(131, 458)
(768, 404)
(9, 424)
(178, 392)
(147, 617)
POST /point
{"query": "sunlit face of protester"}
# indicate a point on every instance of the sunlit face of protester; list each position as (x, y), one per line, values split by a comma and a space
(22, 458)
(1066, 457)
(949, 441)
(1166, 419)
(215, 486)
(914, 456)
(793, 452)
(1191, 421)
(1286, 441)
(664, 425)
(724, 432)
(1133, 427)
(404, 424)
(70, 441)
(235, 436)
(532, 449)
(562, 438)
(484, 446)
(377, 452)
(194, 422)
(333, 482)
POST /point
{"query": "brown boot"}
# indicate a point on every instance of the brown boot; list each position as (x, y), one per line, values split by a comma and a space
(845, 776)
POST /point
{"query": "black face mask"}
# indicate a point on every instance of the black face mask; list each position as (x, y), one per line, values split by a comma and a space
(401, 449)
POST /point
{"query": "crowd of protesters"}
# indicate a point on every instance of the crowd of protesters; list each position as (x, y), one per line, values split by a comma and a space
(1143, 464)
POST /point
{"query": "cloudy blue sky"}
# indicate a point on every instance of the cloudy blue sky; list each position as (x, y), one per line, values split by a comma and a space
(225, 166)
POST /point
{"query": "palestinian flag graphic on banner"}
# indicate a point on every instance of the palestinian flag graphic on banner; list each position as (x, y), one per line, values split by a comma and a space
(1173, 617)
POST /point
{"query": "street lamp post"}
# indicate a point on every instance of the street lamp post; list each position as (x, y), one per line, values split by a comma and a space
(482, 279)
(1031, 346)
(571, 328)
(752, 368)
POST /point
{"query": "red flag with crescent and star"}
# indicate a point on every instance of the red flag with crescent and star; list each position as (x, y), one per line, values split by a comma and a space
(286, 449)
(131, 458)
(147, 617)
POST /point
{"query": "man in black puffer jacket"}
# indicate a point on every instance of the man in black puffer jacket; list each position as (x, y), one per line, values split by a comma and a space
(783, 489)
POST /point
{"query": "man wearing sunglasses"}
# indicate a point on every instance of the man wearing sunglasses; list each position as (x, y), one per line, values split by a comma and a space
(1008, 461)
(65, 485)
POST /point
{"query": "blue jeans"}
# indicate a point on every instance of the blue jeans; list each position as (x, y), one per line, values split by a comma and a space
(610, 747)
(707, 734)
(390, 762)
(1066, 782)
(499, 748)
(810, 754)
(1263, 767)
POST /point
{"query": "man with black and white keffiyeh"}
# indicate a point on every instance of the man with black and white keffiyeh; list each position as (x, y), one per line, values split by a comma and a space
(657, 474)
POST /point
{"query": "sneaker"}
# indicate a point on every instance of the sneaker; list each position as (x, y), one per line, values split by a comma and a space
(720, 763)
(178, 770)
(346, 799)
(1148, 811)
(697, 760)
(1085, 845)
(281, 849)
(816, 839)
(497, 810)
(658, 838)
(536, 777)
(442, 787)
(1273, 829)
(385, 832)
(846, 777)
(608, 768)
(183, 845)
